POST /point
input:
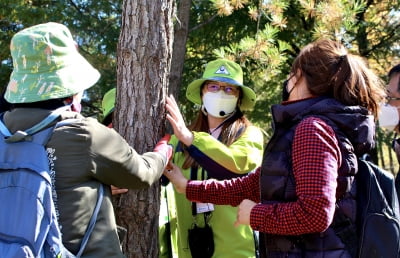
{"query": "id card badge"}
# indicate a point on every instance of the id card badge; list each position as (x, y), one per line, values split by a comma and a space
(204, 207)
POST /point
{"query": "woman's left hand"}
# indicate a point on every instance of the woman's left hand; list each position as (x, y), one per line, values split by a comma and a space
(244, 210)
(175, 117)
(175, 176)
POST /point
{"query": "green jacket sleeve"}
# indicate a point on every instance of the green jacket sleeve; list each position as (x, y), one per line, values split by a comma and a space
(115, 162)
(241, 157)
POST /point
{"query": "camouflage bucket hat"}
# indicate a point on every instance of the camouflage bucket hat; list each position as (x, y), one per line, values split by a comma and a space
(226, 71)
(108, 102)
(47, 65)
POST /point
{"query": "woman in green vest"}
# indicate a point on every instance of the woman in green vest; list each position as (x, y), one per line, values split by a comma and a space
(220, 143)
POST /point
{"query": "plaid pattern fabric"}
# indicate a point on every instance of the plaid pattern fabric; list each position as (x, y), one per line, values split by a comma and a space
(316, 159)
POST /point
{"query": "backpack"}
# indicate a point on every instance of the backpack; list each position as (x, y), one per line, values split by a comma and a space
(376, 232)
(28, 221)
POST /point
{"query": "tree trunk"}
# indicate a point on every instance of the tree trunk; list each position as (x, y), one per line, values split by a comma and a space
(143, 64)
(179, 47)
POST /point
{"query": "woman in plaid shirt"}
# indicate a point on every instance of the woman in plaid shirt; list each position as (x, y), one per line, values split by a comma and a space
(326, 120)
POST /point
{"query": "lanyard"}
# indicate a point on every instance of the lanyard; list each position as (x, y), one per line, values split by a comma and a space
(193, 176)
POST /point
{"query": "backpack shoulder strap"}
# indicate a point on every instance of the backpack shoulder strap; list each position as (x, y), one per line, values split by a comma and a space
(39, 136)
(92, 221)
(49, 119)
(26, 135)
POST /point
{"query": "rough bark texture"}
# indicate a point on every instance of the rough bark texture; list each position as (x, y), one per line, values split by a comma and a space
(179, 47)
(144, 59)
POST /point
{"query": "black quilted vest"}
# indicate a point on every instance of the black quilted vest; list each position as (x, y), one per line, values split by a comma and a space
(277, 181)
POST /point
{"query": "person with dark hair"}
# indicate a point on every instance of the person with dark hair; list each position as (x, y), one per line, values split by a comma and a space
(220, 143)
(389, 117)
(50, 74)
(325, 121)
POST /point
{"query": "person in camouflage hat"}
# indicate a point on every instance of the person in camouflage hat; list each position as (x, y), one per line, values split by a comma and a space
(49, 74)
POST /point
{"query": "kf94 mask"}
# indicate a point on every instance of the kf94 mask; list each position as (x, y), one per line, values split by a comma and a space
(388, 117)
(219, 104)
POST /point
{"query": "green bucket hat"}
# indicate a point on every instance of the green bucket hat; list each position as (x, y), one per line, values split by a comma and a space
(108, 102)
(47, 65)
(226, 71)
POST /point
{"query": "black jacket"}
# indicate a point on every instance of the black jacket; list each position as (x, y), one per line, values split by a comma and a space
(354, 130)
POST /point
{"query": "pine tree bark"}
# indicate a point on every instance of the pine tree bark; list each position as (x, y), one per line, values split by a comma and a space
(143, 65)
(181, 32)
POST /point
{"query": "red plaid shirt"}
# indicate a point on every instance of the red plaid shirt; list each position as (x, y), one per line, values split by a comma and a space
(316, 159)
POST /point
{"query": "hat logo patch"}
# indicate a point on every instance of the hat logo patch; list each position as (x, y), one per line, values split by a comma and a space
(222, 70)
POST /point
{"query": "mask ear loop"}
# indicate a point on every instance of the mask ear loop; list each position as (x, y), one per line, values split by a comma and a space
(294, 86)
(204, 110)
(286, 83)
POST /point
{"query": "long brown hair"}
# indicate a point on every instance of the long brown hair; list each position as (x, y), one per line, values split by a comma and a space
(330, 70)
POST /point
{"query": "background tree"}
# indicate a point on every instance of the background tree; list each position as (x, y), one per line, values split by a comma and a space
(181, 32)
(95, 26)
(265, 37)
(144, 57)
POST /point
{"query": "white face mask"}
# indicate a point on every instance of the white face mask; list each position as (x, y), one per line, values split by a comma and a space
(219, 104)
(388, 117)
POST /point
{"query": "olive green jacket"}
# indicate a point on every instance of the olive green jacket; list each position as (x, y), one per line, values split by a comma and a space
(83, 154)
